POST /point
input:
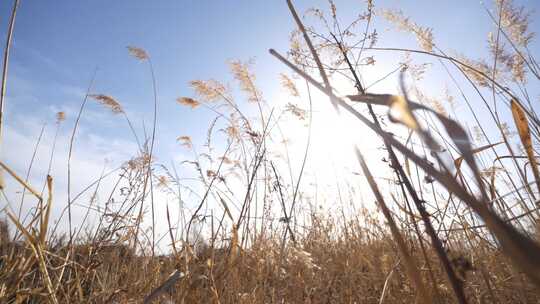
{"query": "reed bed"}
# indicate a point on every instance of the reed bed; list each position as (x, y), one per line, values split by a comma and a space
(456, 221)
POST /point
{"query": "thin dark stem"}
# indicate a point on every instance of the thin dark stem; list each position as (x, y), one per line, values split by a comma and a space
(435, 242)
(70, 153)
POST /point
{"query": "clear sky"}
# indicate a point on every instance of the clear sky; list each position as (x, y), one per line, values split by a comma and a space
(58, 44)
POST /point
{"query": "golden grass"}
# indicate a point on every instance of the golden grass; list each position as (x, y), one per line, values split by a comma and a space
(464, 240)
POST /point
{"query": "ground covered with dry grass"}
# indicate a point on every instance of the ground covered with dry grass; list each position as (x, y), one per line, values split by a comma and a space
(356, 266)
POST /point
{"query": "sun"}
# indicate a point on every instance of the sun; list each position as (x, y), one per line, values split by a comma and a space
(332, 136)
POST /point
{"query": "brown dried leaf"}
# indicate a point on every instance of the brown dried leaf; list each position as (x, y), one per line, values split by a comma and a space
(522, 124)
(395, 103)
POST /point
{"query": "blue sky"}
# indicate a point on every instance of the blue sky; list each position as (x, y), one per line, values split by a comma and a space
(58, 44)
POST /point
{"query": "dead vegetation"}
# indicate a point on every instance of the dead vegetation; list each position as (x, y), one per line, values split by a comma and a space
(458, 223)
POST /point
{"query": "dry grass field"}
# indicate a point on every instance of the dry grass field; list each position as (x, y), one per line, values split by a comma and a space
(456, 221)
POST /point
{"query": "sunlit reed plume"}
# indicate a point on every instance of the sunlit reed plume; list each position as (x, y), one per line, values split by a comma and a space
(424, 35)
(185, 141)
(289, 85)
(60, 116)
(246, 79)
(137, 53)
(209, 90)
(186, 101)
(108, 102)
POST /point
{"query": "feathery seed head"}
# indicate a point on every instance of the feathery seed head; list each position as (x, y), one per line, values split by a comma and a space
(60, 116)
(246, 79)
(424, 35)
(186, 101)
(209, 90)
(288, 84)
(108, 102)
(138, 53)
(185, 141)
